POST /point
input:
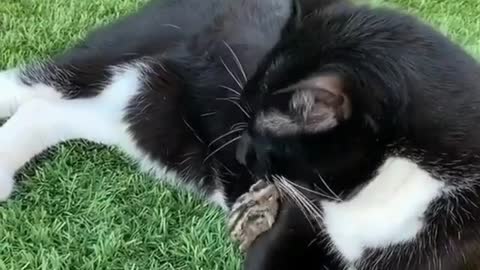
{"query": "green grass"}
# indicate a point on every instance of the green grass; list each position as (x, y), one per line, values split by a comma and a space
(86, 207)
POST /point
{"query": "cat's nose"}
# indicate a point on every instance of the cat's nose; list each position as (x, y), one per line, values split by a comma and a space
(243, 147)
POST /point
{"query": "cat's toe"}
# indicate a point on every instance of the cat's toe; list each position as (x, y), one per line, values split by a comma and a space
(6, 186)
(254, 213)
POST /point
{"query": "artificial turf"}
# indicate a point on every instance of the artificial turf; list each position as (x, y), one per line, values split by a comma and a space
(84, 206)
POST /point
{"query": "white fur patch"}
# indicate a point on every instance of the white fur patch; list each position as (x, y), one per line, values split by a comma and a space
(14, 92)
(218, 198)
(42, 119)
(388, 210)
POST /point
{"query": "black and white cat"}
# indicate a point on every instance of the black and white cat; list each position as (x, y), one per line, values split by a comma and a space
(162, 84)
(372, 119)
(368, 116)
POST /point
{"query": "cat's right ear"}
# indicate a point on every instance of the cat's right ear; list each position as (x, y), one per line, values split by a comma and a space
(295, 20)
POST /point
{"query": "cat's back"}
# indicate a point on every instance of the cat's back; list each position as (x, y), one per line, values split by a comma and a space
(435, 81)
(155, 27)
(247, 28)
(426, 82)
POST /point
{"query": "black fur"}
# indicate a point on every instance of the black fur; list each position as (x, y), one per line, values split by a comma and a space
(413, 94)
(188, 99)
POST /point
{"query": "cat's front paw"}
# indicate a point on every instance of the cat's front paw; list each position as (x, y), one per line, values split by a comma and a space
(6, 185)
(253, 213)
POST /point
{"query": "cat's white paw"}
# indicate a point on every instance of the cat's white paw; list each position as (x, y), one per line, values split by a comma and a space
(6, 185)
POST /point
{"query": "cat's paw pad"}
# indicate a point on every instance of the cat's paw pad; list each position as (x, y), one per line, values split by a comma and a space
(253, 213)
(6, 186)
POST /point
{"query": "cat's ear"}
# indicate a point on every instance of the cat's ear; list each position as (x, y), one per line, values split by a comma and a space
(316, 104)
(320, 102)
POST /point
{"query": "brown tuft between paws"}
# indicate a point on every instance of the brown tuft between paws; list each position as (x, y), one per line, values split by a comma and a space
(253, 213)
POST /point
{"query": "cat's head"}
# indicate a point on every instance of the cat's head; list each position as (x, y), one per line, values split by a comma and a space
(289, 119)
(319, 98)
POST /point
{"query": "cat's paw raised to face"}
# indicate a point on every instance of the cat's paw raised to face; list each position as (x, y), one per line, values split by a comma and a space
(6, 185)
(253, 213)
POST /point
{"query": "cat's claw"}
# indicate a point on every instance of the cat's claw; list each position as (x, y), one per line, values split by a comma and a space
(253, 213)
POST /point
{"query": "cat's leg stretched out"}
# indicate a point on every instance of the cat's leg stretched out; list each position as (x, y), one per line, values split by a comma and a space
(136, 106)
(41, 116)
(83, 93)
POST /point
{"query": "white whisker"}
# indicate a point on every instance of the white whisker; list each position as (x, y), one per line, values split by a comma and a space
(208, 114)
(231, 74)
(310, 214)
(186, 160)
(314, 191)
(226, 168)
(228, 98)
(238, 105)
(230, 89)
(192, 130)
(240, 125)
(221, 147)
(223, 136)
(235, 57)
(248, 107)
(301, 195)
(282, 187)
(328, 187)
(301, 200)
(172, 25)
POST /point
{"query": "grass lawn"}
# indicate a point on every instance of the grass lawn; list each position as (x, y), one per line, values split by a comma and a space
(85, 206)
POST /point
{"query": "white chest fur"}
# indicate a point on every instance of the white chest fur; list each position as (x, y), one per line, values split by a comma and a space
(386, 211)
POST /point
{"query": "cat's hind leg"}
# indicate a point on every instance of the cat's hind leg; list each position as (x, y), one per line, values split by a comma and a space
(39, 122)
(54, 80)
(15, 90)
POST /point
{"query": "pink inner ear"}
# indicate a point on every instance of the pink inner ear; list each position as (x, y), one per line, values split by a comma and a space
(328, 90)
(329, 82)
(320, 102)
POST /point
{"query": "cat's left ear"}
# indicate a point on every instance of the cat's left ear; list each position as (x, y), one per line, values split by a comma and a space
(320, 102)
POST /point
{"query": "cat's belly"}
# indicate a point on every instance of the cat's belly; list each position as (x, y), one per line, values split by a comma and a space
(389, 210)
